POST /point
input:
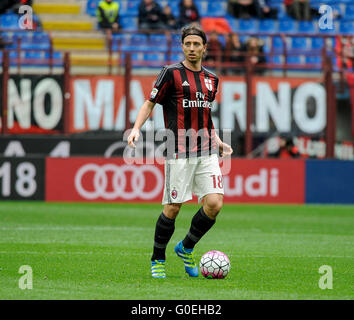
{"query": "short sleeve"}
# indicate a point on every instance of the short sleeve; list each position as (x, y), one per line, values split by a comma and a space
(215, 88)
(161, 87)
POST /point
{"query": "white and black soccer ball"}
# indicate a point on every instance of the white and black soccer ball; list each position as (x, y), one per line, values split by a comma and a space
(214, 265)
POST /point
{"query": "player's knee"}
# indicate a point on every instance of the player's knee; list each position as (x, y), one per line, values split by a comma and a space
(171, 210)
(213, 204)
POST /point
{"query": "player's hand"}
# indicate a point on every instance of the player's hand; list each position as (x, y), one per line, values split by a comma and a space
(225, 150)
(133, 137)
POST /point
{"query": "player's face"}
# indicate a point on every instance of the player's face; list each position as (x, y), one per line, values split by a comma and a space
(193, 48)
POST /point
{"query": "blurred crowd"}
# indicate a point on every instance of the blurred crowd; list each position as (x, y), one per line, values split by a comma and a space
(261, 9)
(151, 15)
(13, 5)
(235, 51)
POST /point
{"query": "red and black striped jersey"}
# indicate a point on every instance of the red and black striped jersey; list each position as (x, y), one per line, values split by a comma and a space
(186, 97)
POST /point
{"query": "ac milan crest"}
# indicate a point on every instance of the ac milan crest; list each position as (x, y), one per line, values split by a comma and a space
(174, 194)
(208, 84)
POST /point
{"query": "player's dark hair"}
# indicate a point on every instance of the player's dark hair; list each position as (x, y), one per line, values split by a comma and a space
(195, 31)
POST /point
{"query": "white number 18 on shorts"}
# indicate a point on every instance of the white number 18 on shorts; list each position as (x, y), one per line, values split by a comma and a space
(201, 175)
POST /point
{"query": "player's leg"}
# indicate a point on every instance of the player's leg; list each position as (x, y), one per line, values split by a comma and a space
(201, 223)
(165, 226)
(176, 191)
(209, 188)
(212, 204)
(203, 220)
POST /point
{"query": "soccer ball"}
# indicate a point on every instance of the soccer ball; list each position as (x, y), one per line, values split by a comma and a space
(214, 265)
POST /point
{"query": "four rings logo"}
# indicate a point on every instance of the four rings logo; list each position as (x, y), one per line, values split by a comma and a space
(118, 181)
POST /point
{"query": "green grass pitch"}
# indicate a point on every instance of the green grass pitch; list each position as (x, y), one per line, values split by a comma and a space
(102, 251)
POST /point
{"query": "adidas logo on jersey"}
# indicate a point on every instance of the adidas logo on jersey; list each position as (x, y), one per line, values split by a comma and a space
(185, 83)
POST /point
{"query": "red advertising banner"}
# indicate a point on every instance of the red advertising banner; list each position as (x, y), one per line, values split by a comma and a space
(265, 181)
(284, 104)
(112, 180)
(101, 179)
(350, 79)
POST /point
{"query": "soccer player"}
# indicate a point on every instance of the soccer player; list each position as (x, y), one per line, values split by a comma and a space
(186, 91)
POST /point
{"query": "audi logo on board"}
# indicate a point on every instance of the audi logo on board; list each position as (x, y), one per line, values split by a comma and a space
(110, 182)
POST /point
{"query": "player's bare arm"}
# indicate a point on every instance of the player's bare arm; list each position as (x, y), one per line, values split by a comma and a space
(224, 148)
(143, 115)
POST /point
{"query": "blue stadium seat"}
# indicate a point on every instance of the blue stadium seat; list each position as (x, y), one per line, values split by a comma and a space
(155, 57)
(31, 40)
(277, 43)
(137, 58)
(243, 38)
(137, 42)
(306, 27)
(331, 42)
(40, 37)
(129, 8)
(232, 23)
(56, 55)
(117, 40)
(13, 54)
(216, 9)
(202, 7)
(129, 23)
(317, 43)
(138, 39)
(299, 43)
(287, 26)
(349, 11)
(91, 7)
(6, 35)
(157, 42)
(222, 40)
(9, 21)
(23, 35)
(276, 59)
(293, 59)
(176, 57)
(266, 43)
(174, 5)
(268, 25)
(248, 25)
(346, 27)
(31, 45)
(313, 60)
(34, 55)
(176, 41)
(332, 30)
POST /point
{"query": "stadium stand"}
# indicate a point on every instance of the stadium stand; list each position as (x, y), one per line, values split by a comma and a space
(71, 25)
